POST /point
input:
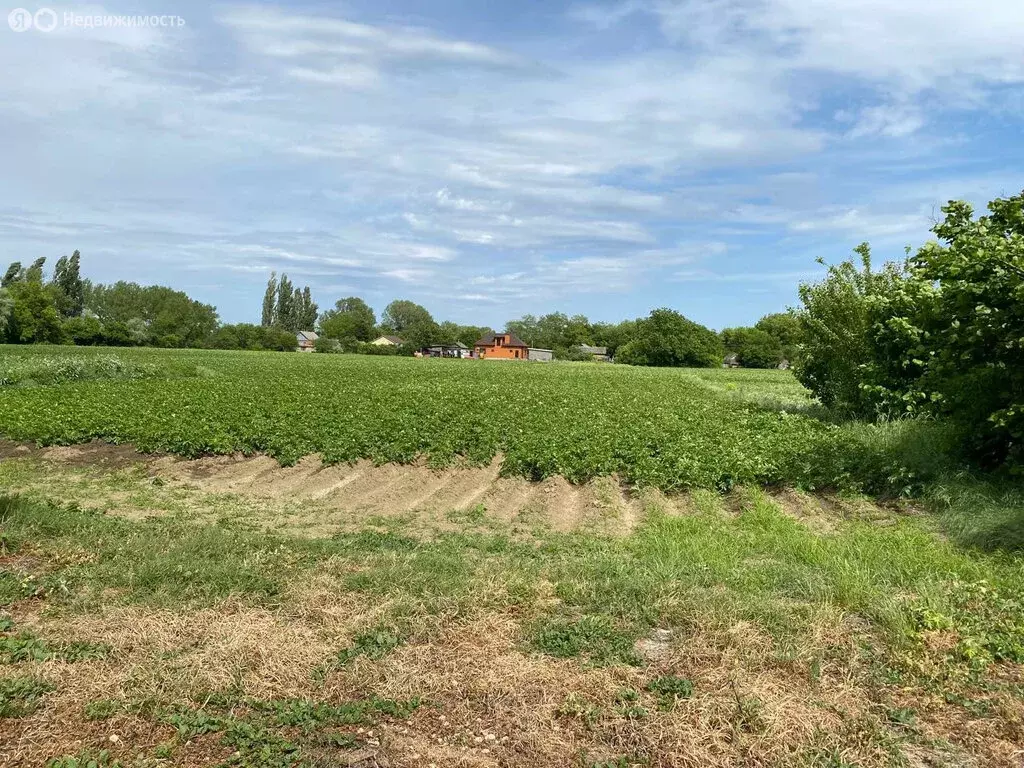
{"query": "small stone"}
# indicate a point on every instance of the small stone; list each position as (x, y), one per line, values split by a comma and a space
(478, 740)
(114, 738)
(489, 737)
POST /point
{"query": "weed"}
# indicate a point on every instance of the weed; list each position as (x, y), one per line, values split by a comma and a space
(28, 647)
(670, 690)
(374, 644)
(102, 709)
(595, 637)
(576, 707)
(21, 696)
(86, 759)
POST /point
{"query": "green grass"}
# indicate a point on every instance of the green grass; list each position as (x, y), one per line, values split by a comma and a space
(735, 561)
(666, 428)
(706, 569)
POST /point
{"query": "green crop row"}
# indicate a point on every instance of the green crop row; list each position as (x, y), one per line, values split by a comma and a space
(652, 427)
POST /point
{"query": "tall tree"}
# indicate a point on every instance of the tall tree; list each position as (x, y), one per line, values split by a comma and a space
(666, 338)
(6, 305)
(34, 274)
(285, 313)
(309, 310)
(67, 280)
(269, 301)
(351, 318)
(33, 318)
(410, 321)
(13, 274)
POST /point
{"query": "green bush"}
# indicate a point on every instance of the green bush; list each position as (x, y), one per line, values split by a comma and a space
(667, 339)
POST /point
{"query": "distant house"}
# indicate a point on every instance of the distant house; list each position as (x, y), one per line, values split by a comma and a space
(784, 365)
(306, 340)
(732, 360)
(458, 349)
(501, 346)
(598, 354)
(388, 341)
(543, 355)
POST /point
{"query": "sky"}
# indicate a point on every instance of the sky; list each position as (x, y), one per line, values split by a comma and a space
(491, 159)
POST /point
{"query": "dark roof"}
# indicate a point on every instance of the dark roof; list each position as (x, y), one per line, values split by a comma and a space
(513, 340)
(456, 345)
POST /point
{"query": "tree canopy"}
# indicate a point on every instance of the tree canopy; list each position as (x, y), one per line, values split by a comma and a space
(351, 318)
(667, 338)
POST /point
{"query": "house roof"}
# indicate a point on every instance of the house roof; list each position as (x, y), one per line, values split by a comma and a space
(589, 350)
(392, 339)
(513, 340)
(306, 336)
(456, 345)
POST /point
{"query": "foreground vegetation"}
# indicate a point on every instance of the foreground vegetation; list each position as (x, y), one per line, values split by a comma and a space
(665, 428)
(745, 630)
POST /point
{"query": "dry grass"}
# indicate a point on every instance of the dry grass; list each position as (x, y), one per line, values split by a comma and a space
(489, 700)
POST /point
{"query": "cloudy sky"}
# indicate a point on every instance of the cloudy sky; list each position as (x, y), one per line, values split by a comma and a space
(489, 159)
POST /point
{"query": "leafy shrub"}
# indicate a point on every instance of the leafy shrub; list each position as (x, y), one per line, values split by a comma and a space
(942, 334)
(972, 331)
(852, 360)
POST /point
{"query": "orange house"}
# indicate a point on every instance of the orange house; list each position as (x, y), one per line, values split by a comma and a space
(501, 346)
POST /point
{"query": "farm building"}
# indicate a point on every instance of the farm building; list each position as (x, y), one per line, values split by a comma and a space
(543, 355)
(458, 349)
(598, 354)
(306, 340)
(732, 360)
(388, 341)
(501, 346)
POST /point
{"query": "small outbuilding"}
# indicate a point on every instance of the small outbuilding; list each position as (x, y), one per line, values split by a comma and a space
(388, 341)
(541, 355)
(597, 354)
(306, 341)
(458, 349)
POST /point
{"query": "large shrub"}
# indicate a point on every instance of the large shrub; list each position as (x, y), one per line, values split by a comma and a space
(942, 334)
(973, 328)
(666, 338)
(856, 356)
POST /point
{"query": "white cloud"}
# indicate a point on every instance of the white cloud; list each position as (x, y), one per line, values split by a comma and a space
(374, 153)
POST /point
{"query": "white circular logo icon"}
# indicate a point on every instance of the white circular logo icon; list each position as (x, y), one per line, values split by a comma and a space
(20, 20)
(45, 20)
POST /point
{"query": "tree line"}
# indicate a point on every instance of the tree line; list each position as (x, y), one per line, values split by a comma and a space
(67, 309)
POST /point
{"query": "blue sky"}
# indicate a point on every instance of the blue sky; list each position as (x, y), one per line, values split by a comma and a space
(493, 159)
